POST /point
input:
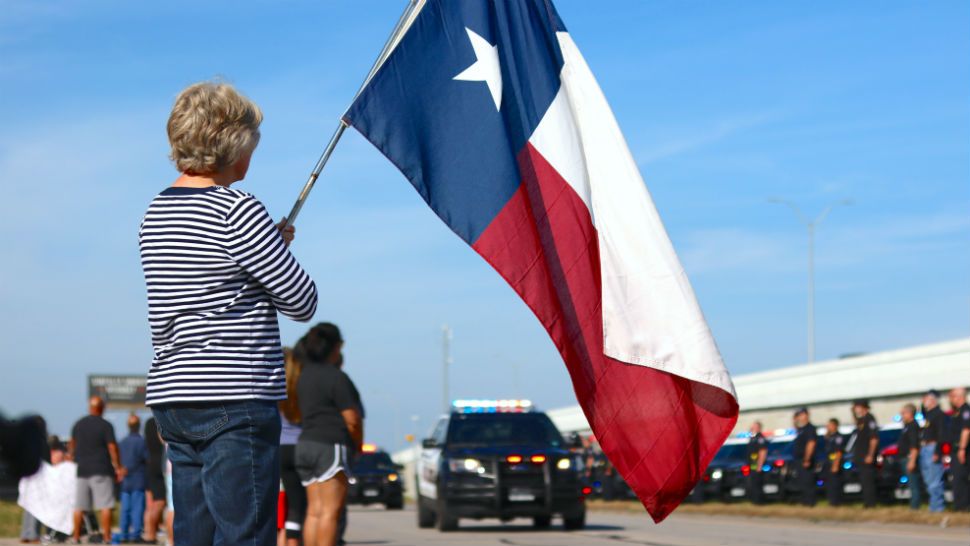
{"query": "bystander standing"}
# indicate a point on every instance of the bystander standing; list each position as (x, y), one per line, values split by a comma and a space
(803, 454)
(931, 449)
(291, 419)
(832, 469)
(217, 372)
(332, 427)
(155, 490)
(960, 448)
(757, 454)
(864, 447)
(95, 451)
(908, 446)
(134, 457)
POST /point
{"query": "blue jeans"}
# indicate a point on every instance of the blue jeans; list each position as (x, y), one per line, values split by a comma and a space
(225, 471)
(915, 487)
(932, 476)
(132, 514)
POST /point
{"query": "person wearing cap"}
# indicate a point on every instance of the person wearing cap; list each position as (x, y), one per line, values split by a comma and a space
(832, 469)
(803, 454)
(931, 449)
(960, 448)
(757, 453)
(864, 450)
(908, 446)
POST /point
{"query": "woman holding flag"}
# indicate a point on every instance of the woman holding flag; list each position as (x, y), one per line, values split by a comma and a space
(217, 271)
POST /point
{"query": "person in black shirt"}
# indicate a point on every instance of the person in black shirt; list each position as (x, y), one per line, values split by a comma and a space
(95, 451)
(960, 448)
(757, 453)
(332, 426)
(908, 446)
(931, 449)
(832, 468)
(864, 450)
(803, 453)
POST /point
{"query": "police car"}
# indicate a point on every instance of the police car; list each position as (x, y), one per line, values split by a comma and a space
(886, 483)
(498, 459)
(714, 483)
(375, 479)
(774, 471)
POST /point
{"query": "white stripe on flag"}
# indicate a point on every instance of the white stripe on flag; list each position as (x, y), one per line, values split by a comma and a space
(650, 314)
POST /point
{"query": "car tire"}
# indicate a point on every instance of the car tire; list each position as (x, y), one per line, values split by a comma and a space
(395, 504)
(426, 519)
(575, 521)
(541, 522)
(446, 521)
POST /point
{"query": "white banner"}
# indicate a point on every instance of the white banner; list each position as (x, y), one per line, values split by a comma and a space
(49, 495)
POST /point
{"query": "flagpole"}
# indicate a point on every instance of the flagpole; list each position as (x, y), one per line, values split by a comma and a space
(342, 125)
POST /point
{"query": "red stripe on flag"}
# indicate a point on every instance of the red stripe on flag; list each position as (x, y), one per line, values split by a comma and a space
(659, 430)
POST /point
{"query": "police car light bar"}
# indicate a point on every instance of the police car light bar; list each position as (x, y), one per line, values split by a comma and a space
(492, 406)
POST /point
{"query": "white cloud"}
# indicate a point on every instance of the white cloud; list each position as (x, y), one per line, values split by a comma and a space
(682, 140)
(892, 241)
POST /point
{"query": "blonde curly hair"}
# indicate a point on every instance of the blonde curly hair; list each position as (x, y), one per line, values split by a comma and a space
(211, 126)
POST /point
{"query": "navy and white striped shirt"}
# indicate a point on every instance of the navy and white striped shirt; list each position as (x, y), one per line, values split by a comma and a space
(217, 271)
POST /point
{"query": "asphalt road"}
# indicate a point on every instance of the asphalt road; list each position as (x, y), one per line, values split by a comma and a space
(375, 526)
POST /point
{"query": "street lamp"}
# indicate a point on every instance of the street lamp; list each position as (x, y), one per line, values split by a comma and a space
(445, 364)
(811, 225)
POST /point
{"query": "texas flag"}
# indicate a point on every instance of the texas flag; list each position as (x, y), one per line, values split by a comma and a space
(489, 109)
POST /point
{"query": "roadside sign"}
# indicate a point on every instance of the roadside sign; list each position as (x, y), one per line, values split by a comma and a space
(118, 391)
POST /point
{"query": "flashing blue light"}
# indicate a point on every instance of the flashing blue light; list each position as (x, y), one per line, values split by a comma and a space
(492, 406)
(820, 483)
(744, 435)
(897, 418)
(597, 483)
(919, 416)
(904, 479)
(847, 466)
(766, 468)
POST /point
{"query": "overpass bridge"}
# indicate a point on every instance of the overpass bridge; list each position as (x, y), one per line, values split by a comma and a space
(888, 379)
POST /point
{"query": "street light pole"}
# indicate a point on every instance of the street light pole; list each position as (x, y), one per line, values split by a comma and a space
(811, 292)
(445, 363)
(811, 225)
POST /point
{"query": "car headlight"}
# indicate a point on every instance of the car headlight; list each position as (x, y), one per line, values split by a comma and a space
(466, 465)
(392, 477)
(351, 481)
(564, 464)
(717, 475)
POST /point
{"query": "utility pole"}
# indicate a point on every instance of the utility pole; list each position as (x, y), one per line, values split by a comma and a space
(811, 225)
(445, 364)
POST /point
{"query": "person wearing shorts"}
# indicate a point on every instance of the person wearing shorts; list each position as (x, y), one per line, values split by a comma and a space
(95, 451)
(332, 424)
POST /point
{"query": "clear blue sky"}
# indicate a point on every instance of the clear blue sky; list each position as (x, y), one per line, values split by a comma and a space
(723, 104)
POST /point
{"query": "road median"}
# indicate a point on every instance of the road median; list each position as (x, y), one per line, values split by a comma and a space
(821, 512)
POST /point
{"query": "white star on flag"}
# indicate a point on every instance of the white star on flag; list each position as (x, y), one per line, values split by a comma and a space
(486, 68)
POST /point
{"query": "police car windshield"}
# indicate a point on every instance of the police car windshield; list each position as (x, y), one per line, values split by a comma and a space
(730, 452)
(889, 437)
(488, 429)
(369, 462)
(780, 448)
